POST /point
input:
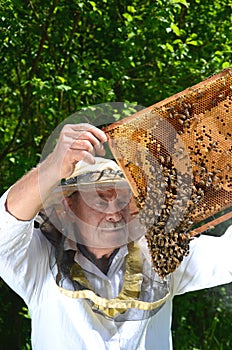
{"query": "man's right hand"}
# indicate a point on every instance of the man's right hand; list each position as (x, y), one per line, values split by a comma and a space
(76, 142)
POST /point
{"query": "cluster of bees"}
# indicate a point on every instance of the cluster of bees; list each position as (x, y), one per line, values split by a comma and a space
(182, 114)
(166, 212)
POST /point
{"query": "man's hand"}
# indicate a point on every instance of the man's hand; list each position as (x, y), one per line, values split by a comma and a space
(76, 142)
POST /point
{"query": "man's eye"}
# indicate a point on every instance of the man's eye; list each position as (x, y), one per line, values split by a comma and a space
(122, 203)
(100, 204)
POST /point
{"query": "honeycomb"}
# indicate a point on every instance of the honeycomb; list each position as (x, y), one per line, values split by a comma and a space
(176, 156)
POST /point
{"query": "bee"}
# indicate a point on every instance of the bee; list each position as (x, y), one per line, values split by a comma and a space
(228, 167)
(128, 164)
(162, 160)
(200, 94)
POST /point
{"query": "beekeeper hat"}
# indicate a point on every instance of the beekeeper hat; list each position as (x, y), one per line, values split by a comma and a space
(104, 172)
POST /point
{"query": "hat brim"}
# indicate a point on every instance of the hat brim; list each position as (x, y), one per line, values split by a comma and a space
(64, 191)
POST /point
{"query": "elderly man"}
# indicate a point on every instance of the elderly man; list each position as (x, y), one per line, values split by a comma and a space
(85, 273)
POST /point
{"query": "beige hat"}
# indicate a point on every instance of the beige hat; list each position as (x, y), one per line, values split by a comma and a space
(102, 172)
(105, 172)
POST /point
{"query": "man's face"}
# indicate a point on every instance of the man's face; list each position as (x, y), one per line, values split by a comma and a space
(102, 216)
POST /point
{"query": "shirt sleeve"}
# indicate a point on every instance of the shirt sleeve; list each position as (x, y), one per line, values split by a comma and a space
(208, 264)
(22, 253)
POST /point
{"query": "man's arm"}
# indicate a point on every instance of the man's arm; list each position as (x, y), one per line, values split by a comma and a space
(76, 142)
(208, 264)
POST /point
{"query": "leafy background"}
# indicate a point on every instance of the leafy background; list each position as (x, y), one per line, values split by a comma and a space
(58, 57)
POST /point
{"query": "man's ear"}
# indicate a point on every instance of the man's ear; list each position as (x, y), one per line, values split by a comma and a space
(67, 202)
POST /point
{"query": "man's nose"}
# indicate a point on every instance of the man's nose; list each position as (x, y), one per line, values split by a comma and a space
(113, 212)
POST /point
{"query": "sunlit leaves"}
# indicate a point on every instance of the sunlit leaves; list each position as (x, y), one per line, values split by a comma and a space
(181, 2)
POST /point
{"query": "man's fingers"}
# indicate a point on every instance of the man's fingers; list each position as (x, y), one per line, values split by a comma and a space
(89, 144)
(98, 133)
(86, 135)
(86, 132)
(81, 154)
(78, 142)
(92, 135)
(100, 150)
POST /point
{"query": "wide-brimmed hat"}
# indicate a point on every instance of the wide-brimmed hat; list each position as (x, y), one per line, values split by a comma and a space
(103, 173)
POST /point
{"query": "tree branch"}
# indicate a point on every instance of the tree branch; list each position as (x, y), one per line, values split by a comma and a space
(42, 40)
(7, 149)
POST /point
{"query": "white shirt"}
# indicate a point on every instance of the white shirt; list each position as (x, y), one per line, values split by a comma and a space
(63, 323)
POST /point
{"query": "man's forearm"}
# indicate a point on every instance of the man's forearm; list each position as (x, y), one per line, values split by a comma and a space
(28, 194)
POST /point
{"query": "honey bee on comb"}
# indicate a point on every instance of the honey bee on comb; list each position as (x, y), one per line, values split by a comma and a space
(177, 156)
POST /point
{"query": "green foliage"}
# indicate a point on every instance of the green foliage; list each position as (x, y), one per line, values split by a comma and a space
(58, 57)
(14, 321)
(202, 320)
